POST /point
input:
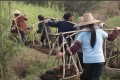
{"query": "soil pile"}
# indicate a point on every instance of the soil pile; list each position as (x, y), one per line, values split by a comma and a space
(56, 73)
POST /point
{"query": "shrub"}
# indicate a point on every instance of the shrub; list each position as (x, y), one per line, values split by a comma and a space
(21, 67)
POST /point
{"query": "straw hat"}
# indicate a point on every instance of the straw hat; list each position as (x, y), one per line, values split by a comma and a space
(102, 24)
(80, 19)
(17, 12)
(88, 19)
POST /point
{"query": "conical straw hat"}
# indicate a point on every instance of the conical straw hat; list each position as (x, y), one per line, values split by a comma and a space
(88, 19)
(17, 12)
(80, 19)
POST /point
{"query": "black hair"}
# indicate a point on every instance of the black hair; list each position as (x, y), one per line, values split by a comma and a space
(67, 15)
(93, 35)
(40, 17)
(17, 15)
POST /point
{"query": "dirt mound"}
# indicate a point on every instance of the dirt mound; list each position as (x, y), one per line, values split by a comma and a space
(56, 73)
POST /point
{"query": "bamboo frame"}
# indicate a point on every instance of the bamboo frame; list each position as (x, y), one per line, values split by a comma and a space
(51, 51)
(33, 25)
(62, 45)
(64, 42)
(47, 36)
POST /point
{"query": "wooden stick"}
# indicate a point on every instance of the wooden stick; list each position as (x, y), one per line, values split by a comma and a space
(70, 56)
(33, 37)
(72, 34)
(105, 48)
(107, 62)
(63, 57)
(70, 77)
(78, 61)
(77, 71)
(33, 25)
(111, 57)
(81, 31)
(47, 36)
(51, 51)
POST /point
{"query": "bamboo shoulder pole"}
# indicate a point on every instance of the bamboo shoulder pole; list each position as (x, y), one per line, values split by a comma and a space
(81, 31)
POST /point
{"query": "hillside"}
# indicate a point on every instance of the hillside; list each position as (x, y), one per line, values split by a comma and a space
(18, 62)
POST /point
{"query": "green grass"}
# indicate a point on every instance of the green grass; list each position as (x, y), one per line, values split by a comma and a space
(113, 22)
(33, 11)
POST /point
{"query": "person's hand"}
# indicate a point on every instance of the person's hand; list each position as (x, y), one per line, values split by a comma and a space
(24, 14)
(46, 21)
(117, 28)
(13, 28)
(59, 54)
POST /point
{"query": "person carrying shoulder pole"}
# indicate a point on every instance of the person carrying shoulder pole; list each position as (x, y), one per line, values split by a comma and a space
(92, 47)
(19, 25)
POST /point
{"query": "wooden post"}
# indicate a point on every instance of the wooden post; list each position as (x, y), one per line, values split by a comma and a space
(51, 51)
(63, 56)
(47, 35)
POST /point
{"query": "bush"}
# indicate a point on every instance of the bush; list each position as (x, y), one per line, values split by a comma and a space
(114, 21)
(7, 49)
(20, 68)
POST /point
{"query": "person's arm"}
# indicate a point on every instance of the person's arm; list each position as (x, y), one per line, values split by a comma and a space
(114, 34)
(40, 27)
(73, 48)
(53, 23)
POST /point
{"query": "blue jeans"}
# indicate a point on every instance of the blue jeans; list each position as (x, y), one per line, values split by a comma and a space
(92, 71)
(23, 37)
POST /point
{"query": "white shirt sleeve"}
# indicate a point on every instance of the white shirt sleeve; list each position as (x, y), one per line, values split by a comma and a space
(104, 34)
(79, 38)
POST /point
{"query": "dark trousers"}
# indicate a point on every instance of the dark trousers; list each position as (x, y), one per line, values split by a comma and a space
(23, 37)
(92, 71)
(43, 37)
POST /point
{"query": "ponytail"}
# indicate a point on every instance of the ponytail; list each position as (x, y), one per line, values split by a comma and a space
(93, 35)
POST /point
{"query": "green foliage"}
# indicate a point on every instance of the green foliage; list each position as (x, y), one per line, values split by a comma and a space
(32, 11)
(7, 49)
(114, 21)
(104, 77)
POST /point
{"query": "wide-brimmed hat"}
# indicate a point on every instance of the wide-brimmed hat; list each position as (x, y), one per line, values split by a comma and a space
(88, 19)
(80, 19)
(17, 12)
(102, 24)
